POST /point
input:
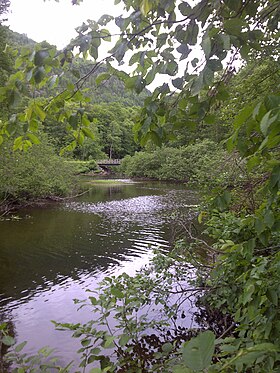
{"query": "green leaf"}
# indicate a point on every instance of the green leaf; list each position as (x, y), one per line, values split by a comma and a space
(151, 75)
(39, 74)
(181, 369)
(33, 138)
(243, 116)
(167, 347)
(154, 136)
(266, 122)
(92, 358)
(105, 34)
(146, 6)
(248, 292)
(40, 57)
(125, 338)
(225, 40)
(178, 83)
(259, 226)
(109, 342)
(69, 147)
(171, 68)
(131, 82)
(18, 143)
(234, 26)
(197, 85)
(86, 342)
(73, 121)
(53, 81)
(13, 97)
(206, 46)
(185, 8)
(8, 340)
(210, 119)
(101, 77)
(253, 162)
(95, 351)
(93, 301)
(272, 295)
(244, 51)
(120, 51)
(269, 218)
(198, 352)
(184, 50)
(38, 110)
(87, 132)
(93, 52)
(208, 76)
(192, 33)
(116, 292)
(272, 101)
(214, 65)
(20, 346)
(80, 137)
(103, 20)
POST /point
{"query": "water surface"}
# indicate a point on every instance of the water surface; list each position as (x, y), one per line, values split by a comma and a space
(52, 254)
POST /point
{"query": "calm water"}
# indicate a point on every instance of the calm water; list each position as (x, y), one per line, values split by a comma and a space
(54, 253)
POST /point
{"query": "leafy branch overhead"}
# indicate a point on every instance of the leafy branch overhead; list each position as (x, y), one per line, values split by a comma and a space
(196, 47)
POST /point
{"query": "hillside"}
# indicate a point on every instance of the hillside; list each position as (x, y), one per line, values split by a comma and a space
(112, 90)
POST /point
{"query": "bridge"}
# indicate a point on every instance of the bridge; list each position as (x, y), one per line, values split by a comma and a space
(109, 162)
(106, 164)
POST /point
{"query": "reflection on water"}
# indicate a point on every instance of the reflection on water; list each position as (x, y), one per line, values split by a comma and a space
(53, 254)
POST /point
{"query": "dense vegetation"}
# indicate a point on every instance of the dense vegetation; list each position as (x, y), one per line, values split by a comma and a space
(39, 173)
(109, 113)
(236, 263)
(191, 164)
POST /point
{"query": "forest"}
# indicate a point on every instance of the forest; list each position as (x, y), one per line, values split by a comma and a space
(213, 125)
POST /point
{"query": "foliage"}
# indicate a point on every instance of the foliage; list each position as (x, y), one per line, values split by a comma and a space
(255, 80)
(43, 361)
(109, 90)
(193, 164)
(38, 173)
(107, 126)
(158, 34)
(114, 124)
(81, 167)
(4, 8)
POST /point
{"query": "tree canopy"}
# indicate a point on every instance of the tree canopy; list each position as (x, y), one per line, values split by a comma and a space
(196, 47)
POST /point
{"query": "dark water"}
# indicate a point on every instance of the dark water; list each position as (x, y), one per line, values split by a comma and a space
(52, 254)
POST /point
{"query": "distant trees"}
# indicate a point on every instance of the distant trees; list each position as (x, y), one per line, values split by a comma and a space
(4, 7)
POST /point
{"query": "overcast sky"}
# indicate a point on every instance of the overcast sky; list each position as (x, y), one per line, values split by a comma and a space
(55, 21)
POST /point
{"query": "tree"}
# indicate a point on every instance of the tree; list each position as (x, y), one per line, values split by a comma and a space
(4, 7)
(159, 35)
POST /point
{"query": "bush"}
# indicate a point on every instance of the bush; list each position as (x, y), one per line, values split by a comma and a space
(37, 173)
(81, 167)
(204, 163)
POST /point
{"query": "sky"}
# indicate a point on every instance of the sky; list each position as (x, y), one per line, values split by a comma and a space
(54, 21)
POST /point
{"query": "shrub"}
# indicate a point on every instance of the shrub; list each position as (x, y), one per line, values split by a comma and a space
(37, 173)
(204, 163)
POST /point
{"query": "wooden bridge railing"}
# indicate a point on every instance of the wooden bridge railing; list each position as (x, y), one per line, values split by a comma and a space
(109, 162)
